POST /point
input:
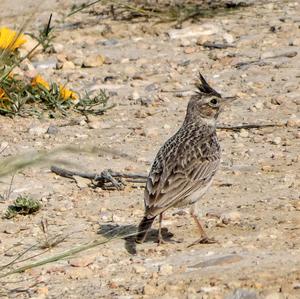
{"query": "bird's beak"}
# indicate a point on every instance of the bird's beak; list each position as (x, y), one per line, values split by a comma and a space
(230, 99)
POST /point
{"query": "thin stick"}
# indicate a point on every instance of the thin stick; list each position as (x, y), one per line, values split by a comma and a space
(249, 126)
(94, 176)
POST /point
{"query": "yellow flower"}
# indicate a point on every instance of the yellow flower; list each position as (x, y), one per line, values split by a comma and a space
(10, 39)
(40, 81)
(2, 93)
(4, 100)
(67, 94)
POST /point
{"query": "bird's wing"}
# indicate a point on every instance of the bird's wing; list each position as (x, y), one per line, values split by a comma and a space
(178, 177)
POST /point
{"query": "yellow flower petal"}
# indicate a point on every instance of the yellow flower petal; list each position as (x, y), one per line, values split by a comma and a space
(4, 100)
(40, 81)
(10, 39)
(67, 93)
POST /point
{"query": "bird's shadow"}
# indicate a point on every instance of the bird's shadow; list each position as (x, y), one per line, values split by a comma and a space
(128, 233)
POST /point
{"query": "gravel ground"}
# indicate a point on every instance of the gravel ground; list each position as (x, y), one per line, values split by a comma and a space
(149, 71)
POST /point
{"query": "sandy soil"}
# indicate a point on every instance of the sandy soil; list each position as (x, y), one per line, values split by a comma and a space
(253, 206)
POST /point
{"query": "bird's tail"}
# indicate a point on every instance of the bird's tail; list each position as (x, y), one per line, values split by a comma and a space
(143, 229)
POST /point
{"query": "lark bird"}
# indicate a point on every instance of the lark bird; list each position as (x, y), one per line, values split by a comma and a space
(185, 165)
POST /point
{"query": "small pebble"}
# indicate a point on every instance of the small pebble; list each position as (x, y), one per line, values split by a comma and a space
(165, 269)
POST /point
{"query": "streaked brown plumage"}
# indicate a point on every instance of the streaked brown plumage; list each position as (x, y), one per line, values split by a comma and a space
(186, 164)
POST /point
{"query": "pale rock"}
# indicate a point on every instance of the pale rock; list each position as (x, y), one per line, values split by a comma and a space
(95, 124)
(26, 65)
(185, 43)
(68, 65)
(81, 182)
(166, 269)
(189, 50)
(49, 63)
(296, 205)
(150, 132)
(139, 269)
(293, 122)
(219, 261)
(58, 48)
(228, 38)
(10, 228)
(3, 146)
(276, 140)
(194, 31)
(231, 217)
(274, 296)
(82, 261)
(244, 133)
(242, 294)
(135, 95)
(29, 45)
(149, 290)
(259, 105)
(37, 130)
(93, 61)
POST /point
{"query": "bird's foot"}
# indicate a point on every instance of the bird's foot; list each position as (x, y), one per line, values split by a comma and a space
(204, 240)
(161, 240)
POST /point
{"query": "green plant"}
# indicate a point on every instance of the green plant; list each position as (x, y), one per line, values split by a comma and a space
(23, 205)
(93, 105)
(45, 36)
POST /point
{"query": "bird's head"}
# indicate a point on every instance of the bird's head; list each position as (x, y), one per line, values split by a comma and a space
(207, 103)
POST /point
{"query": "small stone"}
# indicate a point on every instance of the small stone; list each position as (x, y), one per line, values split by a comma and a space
(10, 228)
(52, 130)
(58, 48)
(37, 130)
(135, 95)
(46, 64)
(244, 133)
(150, 132)
(42, 291)
(219, 261)
(29, 45)
(3, 146)
(242, 294)
(194, 31)
(231, 217)
(296, 205)
(94, 124)
(110, 42)
(276, 140)
(293, 122)
(166, 269)
(229, 39)
(81, 182)
(189, 50)
(152, 87)
(68, 65)
(185, 43)
(93, 61)
(82, 261)
(139, 269)
(149, 290)
(274, 296)
(259, 105)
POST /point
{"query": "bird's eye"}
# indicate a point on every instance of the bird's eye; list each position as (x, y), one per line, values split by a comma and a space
(214, 102)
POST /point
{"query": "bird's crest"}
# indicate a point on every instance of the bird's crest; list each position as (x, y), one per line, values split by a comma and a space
(204, 88)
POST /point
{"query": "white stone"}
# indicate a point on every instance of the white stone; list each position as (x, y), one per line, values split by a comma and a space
(194, 31)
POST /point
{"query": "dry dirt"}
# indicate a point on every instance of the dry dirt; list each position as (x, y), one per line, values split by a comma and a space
(253, 206)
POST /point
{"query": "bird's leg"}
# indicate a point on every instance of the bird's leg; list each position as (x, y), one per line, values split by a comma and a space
(204, 239)
(160, 237)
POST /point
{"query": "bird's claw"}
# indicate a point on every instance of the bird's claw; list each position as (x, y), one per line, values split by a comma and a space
(204, 240)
